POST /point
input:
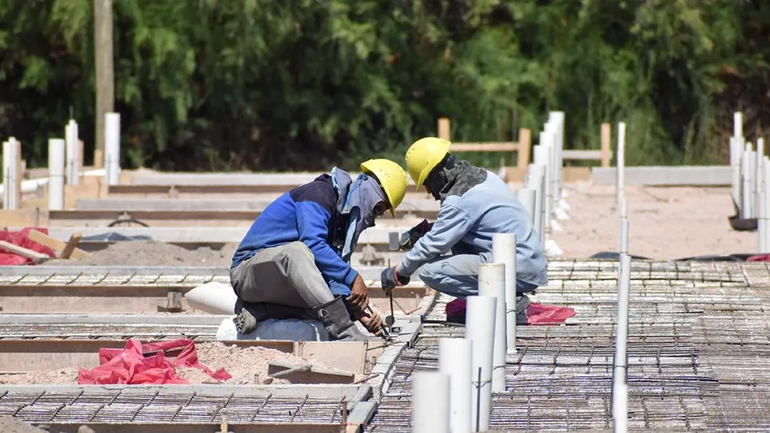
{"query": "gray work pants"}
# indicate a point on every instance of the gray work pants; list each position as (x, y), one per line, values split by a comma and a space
(284, 275)
(458, 275)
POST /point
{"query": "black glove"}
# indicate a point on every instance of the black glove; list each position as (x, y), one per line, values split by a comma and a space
(414, 234)
(390, 279)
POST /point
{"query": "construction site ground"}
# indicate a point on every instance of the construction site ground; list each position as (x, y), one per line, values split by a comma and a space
(698, 337)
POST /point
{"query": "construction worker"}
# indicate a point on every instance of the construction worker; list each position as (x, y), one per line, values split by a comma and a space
(294, 260)
(475, 204)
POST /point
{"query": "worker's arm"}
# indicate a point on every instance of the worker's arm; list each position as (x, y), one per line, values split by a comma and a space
(451, 225)
(313, 226)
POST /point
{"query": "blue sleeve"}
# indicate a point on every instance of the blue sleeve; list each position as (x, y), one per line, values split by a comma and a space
(451, 225)
(313, 227)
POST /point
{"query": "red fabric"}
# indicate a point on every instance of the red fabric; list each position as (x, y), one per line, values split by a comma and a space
(759, 258)
(145, 364)
(21, 238)
(537, 314)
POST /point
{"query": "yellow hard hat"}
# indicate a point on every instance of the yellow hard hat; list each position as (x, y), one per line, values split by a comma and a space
(423, 156)
(392, 179)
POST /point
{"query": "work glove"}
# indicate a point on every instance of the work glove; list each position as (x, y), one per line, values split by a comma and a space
(408, 239)
(390, 278)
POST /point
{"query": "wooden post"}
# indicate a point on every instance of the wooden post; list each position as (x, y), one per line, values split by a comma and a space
(606, 144)
(98, 159)
(81, 158)
(525, 144)
(104, 62)
(444, 129)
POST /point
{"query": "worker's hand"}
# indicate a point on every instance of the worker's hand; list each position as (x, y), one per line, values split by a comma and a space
(414, 234)
(372, 322)
(390, 279)
(359, 298)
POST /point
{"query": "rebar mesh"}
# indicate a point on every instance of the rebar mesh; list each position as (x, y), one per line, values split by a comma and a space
(698, 352)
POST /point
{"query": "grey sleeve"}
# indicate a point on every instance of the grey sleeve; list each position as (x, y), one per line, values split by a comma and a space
(451, 225)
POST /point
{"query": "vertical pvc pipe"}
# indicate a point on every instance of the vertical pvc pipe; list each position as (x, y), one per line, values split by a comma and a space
(620, 407)
(753, 183)
(623, 208)
(112, 147)
(746, 182)
(527, 197)
(558, 118)
(621, 160)
(9, 180)
(762, 214)
(504, 251)
(56, 152)
(537, 180)
(454, 360)
(71, 137)
(543, 157)
(430, 402)
(757, 169)
(624, 236)
(492, 283)
(624, 283)
(766, 170)
(480, 330)
(738, 124)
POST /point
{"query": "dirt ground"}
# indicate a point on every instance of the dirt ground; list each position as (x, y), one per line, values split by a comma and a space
(153, 253)
(13, 425)
(664, 223)
(246, 366)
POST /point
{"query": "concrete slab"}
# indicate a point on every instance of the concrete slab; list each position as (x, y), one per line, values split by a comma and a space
(715, 175)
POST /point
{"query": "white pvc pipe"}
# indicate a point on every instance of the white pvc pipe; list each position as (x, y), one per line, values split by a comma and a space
(766, 170)
(492, 283)
(504, 251)
(623, 207)
(558, 118)
(543, 157)
(746, 182)
(56, 155)
(454, 360)
(738, 124)
(72, 152)
(9, 164)
(112, 147)
(621, 341)
(536, 180)
(480, 330)
(621, 160)
(430, 402)
(757, 169)
(624, 235)
(620, 407)
(527, 197)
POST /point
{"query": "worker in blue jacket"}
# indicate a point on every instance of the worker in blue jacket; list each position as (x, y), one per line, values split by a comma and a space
(475, 204)
(294, 262)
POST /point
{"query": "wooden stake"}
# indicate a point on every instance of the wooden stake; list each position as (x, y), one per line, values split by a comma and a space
(444, 130)
(55, 244)
(24, 252)
(606, 137)
(525, 144)
(71, 245)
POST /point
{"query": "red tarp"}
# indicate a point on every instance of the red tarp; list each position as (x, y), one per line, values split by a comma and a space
(759, 258)
(146, 364)
(537, 314)
(21, 238)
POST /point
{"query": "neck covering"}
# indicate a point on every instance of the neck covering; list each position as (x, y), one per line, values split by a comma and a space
(454, 177)
(357, 199)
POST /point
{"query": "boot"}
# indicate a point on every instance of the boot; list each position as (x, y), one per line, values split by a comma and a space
(249, 314)
(336, 319)
(522, 302)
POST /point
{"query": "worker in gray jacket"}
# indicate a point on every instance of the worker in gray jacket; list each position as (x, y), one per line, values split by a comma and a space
(475, 204)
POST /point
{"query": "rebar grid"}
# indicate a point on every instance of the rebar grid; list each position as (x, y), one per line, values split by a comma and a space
(698, 349)
(106, 331)
(166, 407)
(110, 279)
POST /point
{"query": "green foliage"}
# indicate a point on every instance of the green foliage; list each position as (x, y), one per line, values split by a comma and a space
(260, 84)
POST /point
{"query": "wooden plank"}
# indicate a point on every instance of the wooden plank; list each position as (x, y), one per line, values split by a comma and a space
(71, 244)
(505, 146)
(525, 144)
(307, 373)
(55, 244)
(606, 137)
(24, 252)
(444, 130)
(585, 155)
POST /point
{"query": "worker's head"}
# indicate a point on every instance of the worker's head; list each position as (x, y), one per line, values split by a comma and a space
(425, 160)
(391, 178)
